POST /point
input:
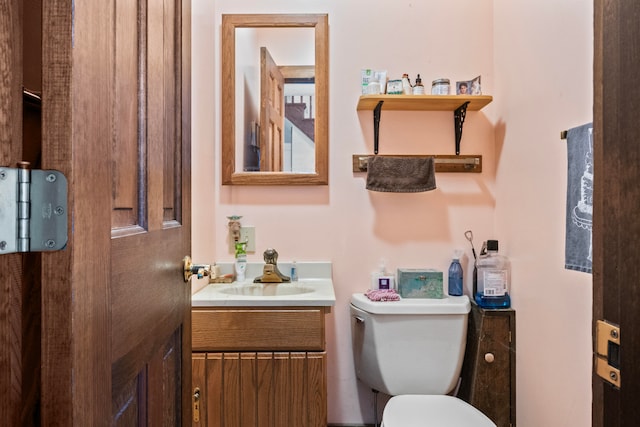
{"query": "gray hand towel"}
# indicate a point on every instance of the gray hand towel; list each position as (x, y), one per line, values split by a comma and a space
(400, 174)
(579, 211)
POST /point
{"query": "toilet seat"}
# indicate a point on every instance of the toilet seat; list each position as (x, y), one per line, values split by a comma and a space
(432, 410)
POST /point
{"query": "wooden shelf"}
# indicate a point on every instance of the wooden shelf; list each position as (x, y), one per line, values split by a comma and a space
(423, 102)
(443, 162)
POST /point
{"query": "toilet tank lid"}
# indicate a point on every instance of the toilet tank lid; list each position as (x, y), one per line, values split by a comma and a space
(446, 305)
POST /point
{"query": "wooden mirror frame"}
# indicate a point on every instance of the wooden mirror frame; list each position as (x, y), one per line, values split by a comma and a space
(320, 23)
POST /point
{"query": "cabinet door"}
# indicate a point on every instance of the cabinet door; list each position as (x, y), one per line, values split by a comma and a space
(271, 389)
(488, 376)
(198, 386)
(494, 370)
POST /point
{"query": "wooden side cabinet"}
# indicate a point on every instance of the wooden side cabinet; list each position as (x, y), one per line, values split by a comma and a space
(259, 367)
(489, 368)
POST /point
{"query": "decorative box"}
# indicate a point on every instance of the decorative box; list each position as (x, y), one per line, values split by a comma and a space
(394, 87)
(420, 283)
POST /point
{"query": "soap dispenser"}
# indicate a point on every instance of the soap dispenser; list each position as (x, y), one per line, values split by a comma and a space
(380, 279)
(241, 261)
(377, 274)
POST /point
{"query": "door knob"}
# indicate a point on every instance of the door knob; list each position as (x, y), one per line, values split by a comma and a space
(189, 269)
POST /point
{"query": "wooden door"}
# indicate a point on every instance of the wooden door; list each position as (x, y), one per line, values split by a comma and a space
(116, 121)
(616, 230)
(14, 391)
(271, 113)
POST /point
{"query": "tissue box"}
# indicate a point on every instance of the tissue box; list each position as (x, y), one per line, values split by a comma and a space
(420, 283)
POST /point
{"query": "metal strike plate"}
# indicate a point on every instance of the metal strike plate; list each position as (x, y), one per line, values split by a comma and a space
(607, 372)
(608, 352)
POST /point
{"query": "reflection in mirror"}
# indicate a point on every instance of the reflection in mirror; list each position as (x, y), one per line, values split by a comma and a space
(275, 118)
(276, 69)
(299, 123)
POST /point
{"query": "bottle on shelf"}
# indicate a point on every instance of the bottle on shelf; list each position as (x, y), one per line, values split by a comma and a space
(455, 275)
(494, 275)
(406, 85)
(418, 88)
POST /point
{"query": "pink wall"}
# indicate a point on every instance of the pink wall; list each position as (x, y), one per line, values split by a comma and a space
(519, 197)
(543, 54)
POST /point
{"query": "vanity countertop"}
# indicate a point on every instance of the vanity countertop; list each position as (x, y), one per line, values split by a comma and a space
(313, 288)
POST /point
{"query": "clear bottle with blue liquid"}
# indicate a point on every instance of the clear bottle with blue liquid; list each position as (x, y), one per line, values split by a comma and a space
(455, 276)
(494, 276)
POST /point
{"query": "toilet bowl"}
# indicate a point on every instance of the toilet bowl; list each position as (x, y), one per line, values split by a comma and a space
(413, 350)
(412, 410)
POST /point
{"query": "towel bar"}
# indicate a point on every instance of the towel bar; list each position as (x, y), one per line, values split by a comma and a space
(443, 162)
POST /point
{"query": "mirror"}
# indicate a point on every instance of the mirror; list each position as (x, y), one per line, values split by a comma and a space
(275, 93)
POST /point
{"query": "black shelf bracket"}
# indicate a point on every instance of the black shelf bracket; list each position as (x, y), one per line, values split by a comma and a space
(458, 120)
(376, 126)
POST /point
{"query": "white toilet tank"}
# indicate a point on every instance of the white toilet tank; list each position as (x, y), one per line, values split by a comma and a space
(411, 346)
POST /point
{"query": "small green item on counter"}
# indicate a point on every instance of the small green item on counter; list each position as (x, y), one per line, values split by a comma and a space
(241, 248)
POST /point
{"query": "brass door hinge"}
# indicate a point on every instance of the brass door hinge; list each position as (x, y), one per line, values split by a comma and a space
(608, 352)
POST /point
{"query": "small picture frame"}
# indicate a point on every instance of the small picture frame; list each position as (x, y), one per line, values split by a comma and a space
(469, 87)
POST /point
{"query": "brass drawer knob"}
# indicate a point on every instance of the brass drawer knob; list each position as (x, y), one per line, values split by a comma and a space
(489, 357)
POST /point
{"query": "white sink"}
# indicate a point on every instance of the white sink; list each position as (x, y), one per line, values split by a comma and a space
(314, 288)
(265, 289)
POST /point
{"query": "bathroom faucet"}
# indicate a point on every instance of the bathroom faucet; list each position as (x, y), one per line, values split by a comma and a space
(270, 272)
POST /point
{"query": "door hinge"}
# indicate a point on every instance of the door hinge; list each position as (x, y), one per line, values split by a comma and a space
(33, 210)
(608, 352)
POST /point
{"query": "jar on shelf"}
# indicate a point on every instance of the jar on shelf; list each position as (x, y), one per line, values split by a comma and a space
(440, 87)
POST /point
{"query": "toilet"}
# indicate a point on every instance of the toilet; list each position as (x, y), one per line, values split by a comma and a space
(413, 350)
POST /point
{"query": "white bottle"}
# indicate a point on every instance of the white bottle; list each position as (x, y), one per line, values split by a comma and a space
(406, 84)
(241, 267)
(241, 261)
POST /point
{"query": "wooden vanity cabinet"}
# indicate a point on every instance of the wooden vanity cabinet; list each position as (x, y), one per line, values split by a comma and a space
(489, 368)
(259, 367)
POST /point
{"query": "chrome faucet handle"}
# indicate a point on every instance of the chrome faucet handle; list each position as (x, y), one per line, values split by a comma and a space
(270, 256)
